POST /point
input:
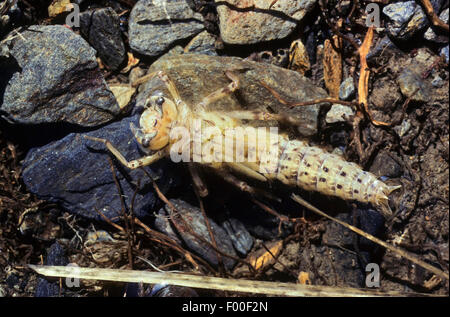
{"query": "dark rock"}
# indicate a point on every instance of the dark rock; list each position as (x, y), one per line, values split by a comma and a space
(372, 222)
(196, 76)
(384, 46)
(203, 43)
(193, 218)
(249, 22)
(58, 80)
(163, 290)
(101, 28)
(413, 86)
(45, 288)
(407, 18)
(56, 255)
(337, 235)
(384, 95)
(154, 26)
(75, 172)
(385, 165)
(241, 238)
(332, 266)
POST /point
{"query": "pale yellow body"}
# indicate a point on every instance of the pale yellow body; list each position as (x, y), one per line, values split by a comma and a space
(297, 164)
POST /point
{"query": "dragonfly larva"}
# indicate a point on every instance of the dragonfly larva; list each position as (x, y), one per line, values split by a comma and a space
(297, 163)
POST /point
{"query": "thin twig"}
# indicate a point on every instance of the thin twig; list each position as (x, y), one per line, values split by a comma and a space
(399, 251)
(208, 282)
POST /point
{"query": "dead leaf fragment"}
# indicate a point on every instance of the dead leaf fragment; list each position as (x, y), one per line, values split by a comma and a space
(298, 57)
(332, 65)
(59, 6)
(132, 61)
(123, 93)
(262, 258)
(303, 278)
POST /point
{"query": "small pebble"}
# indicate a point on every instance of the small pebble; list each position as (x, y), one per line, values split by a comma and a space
(431, 35)
(339, 113)
(347, 89)
(403, 128)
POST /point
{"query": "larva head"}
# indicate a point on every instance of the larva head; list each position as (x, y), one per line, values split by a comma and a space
(155, 122)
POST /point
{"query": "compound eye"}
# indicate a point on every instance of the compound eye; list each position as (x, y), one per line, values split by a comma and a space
(159, 101)
(145, 142)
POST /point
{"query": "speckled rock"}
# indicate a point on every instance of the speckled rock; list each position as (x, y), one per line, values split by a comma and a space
(101, 28)
(154, 26)
(436, 35)
(251, 21)
(196, 76)
(203, 43)
(56, 79)
(407, 18)
(347, 89)
(193, 217)
(412, 85)
(75, 173)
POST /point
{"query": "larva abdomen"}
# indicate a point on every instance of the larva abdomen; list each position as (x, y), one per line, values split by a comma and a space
(314, 169)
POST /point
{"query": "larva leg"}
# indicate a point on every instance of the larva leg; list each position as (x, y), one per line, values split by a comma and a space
(243, 186)
(198, 180)
(165, 79)
(218, 94)
(261, 115)
(237, 182)
(143, 161)
(241, 168)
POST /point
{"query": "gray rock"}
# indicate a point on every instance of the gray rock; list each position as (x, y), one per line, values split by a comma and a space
(339, 113)
(75, 172)
(101, 28)
(248, 22)
(347, 89)
(444, 52)
(412, 85)
(193, 218)
(407, 18)
(203, 43)
(154, 26)
(431, 35)
(196, 76)
(241, 238)
(57, 80)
